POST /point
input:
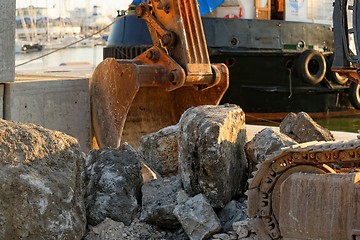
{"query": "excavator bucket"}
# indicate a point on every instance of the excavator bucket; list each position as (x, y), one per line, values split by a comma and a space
(131, 98)
(123, 111)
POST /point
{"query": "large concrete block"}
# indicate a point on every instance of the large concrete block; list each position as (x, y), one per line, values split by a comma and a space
(302, 128)
(160, 150)
(198, 218)
(59, 104)
(211, 152)
(7, 42)
(42, 190)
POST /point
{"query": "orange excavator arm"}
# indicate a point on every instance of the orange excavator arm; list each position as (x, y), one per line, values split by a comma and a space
(130, 98)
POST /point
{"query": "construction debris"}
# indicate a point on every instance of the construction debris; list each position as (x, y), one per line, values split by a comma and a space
(263, 144)
(160, 151)
(159, 201)
(198, 218)
(41, 175)
(302, 128)
(205, 200)
(212, 141)
(113, 185)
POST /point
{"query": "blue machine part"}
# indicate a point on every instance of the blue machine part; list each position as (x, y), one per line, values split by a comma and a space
(205, 6)
(129, 31)
(137, 2)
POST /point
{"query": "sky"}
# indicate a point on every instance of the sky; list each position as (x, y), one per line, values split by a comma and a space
(108, 7)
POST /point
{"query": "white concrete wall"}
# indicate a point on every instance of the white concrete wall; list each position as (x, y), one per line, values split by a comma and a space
(7, 40)
(60, 104)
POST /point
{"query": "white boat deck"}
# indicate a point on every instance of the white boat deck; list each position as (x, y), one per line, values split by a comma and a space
(252, 130)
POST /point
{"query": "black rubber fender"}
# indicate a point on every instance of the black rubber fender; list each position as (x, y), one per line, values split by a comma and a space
(334, 76)
(354, 94)
(311, 66)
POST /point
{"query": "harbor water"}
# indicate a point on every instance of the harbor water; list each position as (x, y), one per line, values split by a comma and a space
(345, 124)
(93, 56)
(90, 55)
(339, 123)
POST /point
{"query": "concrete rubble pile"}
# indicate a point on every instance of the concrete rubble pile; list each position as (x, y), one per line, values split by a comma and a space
(196, 190)
(202, 165)
(42, 185)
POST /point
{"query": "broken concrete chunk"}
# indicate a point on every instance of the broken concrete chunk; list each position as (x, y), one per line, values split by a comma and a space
(198, 218)
(220, 236)
(110, 230)
(211, 141)
(182, 197)
(160, 151)
(105, 229)
(159, 201)
(265, 143)
(241, 228)
(113, 184)
(234, 211)
(41, 175)
(287, 124)
(302, 128)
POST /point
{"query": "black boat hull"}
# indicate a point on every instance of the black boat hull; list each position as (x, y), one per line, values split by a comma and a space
(262, 82)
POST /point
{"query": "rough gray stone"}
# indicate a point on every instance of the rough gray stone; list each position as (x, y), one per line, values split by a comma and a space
(198, 218)
(302, 128)
(159, 201)
(160, 151)
(211, 152)
(182, 197)
(221, 236)
(234, 211)
(111, 230)
(287, 123)
(263, 144)
(233, 235)
(41, 175)
(113, 184)
(241, 228)
(252, 237)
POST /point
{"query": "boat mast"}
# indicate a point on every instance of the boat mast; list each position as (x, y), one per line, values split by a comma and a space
(23, 23)
(32, 16)
(47, 22)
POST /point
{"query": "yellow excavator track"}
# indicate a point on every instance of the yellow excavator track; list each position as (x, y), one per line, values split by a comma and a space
(312, 157)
